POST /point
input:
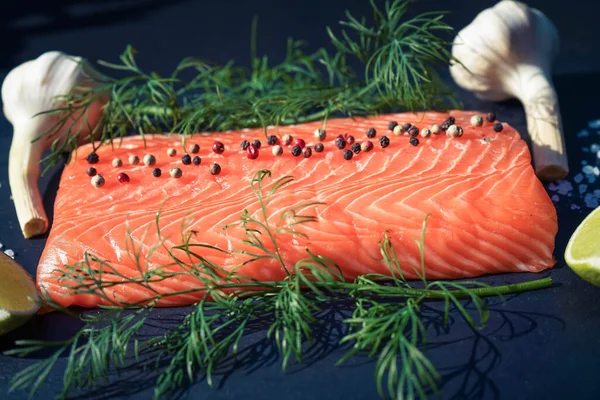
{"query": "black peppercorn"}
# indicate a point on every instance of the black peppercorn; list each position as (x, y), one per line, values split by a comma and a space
(215, 169)
(498, 127)
(296, 151)
(92, 158)
(340, 142)
(319, 147)
(186, 159)
(91, 171)
(371, 132)
(272, 140)
(392, 125)
(244, 145)
(447, 123)
(156, 172)
(355, 148)
(196, 160)
(414, 141)
(348, 154)
(406, 127)
(306, 152)
(490, 117)
(256, 143)
(384, 141)
(413, 131)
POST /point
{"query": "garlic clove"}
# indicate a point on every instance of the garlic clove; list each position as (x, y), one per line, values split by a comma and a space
(27, 90)
(507, 52)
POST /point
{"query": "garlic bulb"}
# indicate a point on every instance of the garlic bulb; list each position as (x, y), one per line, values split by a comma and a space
(507, 52)
(27, 90)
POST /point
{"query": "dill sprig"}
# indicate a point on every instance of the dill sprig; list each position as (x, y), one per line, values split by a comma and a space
(399, 57)
(386, 321)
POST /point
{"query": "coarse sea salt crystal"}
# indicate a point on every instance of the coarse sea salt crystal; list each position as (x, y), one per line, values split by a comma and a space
(596, 193)
(1, 246)
(582, 188)
(575, 207)
(583, 162)
(596, 171)
(585, 149)
(555, 198)
(591, 178)
(594, 124)
(597, 155)
(591, 201)
(595, 148)
(578, 178)
(583, 133)
(588, 169)
(9, 253)
(564, 187)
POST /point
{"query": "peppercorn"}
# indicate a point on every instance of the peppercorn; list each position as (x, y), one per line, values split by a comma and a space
(425, 132)
(306, 152)
(355, 148)
(256, 143)
(123, 177)
(498, 127)
(286, 139)
(92, 158)
(91, 171)
(277, 150)
(340, 142)
(186, 159)
(371, 133)
(476, 120)
(436, 129)
(215, 169)
(452, 131)
(218, 147)
(406, 127)
(171, 152)
(366, 146)
(319, 147)
(414, 141)
(392, 125)
(350, 139)
(384, 141)
(348, 154)
(244, 145)
(97, 180)
(116, 162)
(490, 117)
(413, 131)
(134, 160)
(176, 173)
(398, 130)
(156, 172)
(194, 149)
(320, 134)
(449, 121)
(149, 160)
(296, 151)
(252, 152)
(196, 160)
(272, 140)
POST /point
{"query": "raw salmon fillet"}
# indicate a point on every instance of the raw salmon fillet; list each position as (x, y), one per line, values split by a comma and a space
(488, 212)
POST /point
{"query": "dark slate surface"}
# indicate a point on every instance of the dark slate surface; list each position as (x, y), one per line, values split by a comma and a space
(537, 345)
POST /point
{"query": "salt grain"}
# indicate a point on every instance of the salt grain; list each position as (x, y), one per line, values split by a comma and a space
(583, 133)
(9, 253)
(1, 246)
(596, 171)
(582, 188)
(575, 207)
(564, 187)
(595, 148)
(588, 169)
(555, 198)
(591, 201)
(583, 162)
(596, 193)
(585, 149)
(591, 178)
(594, 124)
(578, 178)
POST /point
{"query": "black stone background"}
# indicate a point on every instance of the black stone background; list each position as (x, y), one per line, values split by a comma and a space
(537, 345)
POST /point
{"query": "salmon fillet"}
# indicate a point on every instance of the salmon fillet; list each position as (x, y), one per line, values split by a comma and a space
(488, 212)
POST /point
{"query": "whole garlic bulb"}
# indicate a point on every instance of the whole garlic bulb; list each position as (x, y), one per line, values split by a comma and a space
(27, 90)
(507, 51)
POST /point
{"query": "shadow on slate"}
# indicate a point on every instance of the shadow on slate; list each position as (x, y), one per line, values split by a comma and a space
(22, 20)
(466, 375)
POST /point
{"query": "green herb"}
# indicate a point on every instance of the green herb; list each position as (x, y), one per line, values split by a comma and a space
(399, 58)
(386, 320)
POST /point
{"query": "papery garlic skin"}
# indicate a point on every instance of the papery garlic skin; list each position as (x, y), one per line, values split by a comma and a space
(27, 90)
(506, 52)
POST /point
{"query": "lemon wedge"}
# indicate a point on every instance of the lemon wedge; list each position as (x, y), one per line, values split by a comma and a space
(19, 299)
(583, 250)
